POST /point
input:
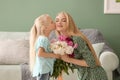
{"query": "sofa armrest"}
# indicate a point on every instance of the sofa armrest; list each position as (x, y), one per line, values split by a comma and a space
(109, 60)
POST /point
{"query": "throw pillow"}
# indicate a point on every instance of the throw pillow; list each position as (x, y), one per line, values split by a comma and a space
(98, 47)
(14, 51)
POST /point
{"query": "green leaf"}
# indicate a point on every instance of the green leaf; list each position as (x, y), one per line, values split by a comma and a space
(61, 66)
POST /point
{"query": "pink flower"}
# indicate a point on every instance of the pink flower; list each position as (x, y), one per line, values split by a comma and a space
(75, 45)
(62, 38)
(70, 43)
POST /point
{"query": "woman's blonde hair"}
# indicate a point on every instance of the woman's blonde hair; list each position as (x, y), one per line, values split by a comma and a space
(35, 31)
(73, 30)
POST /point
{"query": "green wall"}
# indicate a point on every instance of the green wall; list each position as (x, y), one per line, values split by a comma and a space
(19, 15)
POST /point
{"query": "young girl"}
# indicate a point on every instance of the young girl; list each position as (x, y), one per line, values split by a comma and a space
(41, 58)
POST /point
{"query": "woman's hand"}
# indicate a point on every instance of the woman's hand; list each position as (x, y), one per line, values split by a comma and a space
(57, 56)
(65, 58)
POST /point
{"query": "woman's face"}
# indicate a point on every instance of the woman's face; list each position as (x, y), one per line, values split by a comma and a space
(61, 23)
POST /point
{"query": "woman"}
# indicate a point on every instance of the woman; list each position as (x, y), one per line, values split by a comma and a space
(85, 60)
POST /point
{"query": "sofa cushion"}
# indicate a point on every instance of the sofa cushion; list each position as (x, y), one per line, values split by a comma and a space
(95, 36)
(98, 48)
(14, 51)
(13, 72)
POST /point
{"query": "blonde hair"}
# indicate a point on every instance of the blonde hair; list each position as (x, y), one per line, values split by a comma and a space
(35, 31)
(73, 30)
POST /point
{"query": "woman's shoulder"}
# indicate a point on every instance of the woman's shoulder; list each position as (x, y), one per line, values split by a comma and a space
(76, 37)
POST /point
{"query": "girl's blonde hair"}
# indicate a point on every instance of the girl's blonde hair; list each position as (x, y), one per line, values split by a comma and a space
(72, 30)
(35, 31)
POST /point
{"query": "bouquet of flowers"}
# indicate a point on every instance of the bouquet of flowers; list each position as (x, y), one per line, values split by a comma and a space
(64, 45)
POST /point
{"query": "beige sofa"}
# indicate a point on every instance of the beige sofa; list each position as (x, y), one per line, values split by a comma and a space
(14, 55)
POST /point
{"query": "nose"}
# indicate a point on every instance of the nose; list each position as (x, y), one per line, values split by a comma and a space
(59, 22)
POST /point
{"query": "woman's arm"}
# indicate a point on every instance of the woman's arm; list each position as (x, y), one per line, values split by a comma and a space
(74, 61)
(84, 51)
(42, 53)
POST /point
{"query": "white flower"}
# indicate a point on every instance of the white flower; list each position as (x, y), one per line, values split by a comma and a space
(69, 50)
(61, 47)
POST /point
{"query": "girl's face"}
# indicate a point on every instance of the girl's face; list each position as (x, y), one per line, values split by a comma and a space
(61, 23)
(51, 24)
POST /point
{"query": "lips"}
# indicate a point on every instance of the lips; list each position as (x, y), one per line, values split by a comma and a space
(59, 26)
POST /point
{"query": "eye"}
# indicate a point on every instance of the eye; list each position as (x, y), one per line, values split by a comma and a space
(57, 20)
(64, 20)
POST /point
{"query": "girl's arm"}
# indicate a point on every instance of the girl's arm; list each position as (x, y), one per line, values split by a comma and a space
(74, 61)
(42, 53)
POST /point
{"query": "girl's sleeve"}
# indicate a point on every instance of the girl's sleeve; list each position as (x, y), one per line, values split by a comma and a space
(85, 52)
(41, 42)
